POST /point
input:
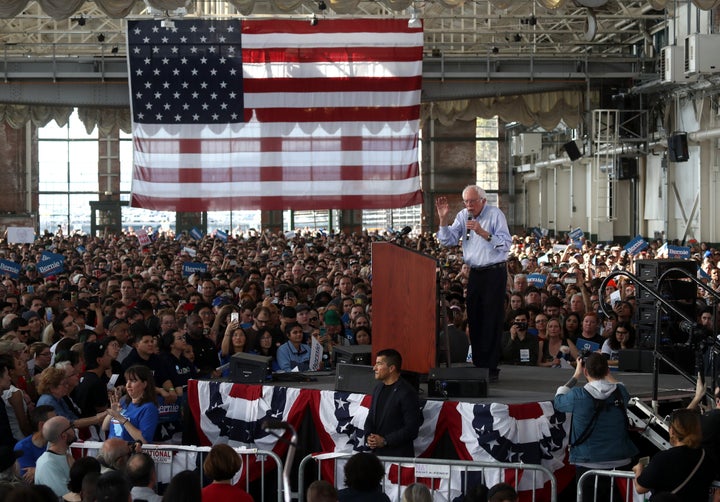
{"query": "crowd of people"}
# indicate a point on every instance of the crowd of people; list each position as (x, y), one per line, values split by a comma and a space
(109, 342)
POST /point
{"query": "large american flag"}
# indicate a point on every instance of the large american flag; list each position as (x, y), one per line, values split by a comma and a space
(275, 114)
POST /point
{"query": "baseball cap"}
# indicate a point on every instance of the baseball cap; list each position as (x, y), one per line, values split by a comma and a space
(30, 314)
(332, 318)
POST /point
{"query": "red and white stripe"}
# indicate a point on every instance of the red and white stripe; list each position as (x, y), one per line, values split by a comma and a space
(331, 122)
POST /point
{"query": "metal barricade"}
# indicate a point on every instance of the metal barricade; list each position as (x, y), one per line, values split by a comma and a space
(598, 474)
(171, 459)
(452, 471)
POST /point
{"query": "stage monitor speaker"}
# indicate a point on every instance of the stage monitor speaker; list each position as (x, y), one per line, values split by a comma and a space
(464, 381)
(627, 168)
(352, 354)
(572, 150)
(249, 368)
(678, 147)
(356, 378)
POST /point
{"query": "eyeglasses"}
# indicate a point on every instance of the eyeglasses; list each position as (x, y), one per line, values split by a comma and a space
(314, 319)
(471, 201)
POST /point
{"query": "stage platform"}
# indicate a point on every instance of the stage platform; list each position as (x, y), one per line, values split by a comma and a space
(531, 384)
(515, 423)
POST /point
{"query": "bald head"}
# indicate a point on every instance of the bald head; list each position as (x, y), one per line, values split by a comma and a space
(54, 427)
(114, 453)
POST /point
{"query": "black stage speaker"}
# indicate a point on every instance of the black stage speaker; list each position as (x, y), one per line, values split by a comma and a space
(572, 150)
(356, 378)
(249, 368)
(678, 147)
(352, 354)
(465, 381)
(627, 168)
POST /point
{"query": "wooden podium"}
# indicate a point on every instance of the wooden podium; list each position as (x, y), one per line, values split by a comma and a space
(405, 305)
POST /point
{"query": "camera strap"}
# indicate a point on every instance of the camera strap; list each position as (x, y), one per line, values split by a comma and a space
(615, 400)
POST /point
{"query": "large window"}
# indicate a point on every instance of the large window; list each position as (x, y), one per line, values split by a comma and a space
(486, 157)
(68, 160)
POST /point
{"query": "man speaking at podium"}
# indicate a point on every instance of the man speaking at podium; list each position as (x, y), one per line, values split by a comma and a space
(486, 242)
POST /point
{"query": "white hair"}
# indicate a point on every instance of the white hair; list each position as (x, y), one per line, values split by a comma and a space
(479, 191)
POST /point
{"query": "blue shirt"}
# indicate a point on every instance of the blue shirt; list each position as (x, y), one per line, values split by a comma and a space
(288, 357)
(145, 417)
(478, 252)
(30, 453)
(60, 406)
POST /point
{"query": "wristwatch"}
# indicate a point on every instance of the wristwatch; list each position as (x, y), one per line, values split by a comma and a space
(489, 237)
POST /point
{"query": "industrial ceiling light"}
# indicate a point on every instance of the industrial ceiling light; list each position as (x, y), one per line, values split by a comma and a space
(590, 27)
(313, 20)
(322, 5)
(114, 50)
(706, 4)
(414, 21)
(101, 37)
(551, 4)
(79, 20)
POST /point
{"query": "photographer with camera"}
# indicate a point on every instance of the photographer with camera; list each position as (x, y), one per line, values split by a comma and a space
(599, 437)
(519, 347)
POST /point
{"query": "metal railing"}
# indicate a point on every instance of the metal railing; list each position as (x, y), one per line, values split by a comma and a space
(447, 478)
(171, 459)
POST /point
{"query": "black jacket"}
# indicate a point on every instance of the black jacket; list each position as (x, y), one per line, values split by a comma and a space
(398, 422)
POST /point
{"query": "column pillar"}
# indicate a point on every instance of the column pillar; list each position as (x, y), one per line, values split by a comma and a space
(19, 165)
(449, 165)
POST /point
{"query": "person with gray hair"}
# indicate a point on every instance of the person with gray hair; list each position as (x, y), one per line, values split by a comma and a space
(417, 492)
(113, 455)
(140, 471)
(53, 466)
(321, 491)
(486, 243)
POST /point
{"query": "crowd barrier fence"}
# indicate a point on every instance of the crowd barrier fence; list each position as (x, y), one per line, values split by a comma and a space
(630, 495)
(446, 479)
(171, 459)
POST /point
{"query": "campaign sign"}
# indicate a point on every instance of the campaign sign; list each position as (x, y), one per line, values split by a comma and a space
(577, 234)
(50, 264)
(223, 236)
(679, 252)
(10, 268)
(142, 237)
(190, 268)
(196, 234)
(636, 245)
(537, 280)
(20, 235)
(189, 251)
(316, 353)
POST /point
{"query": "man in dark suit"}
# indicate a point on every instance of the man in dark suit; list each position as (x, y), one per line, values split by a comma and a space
(394, 417)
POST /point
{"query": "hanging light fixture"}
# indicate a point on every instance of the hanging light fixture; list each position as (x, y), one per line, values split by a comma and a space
(705, 4)
(551, 4)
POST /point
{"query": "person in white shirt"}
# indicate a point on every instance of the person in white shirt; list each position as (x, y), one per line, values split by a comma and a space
(53, 466)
